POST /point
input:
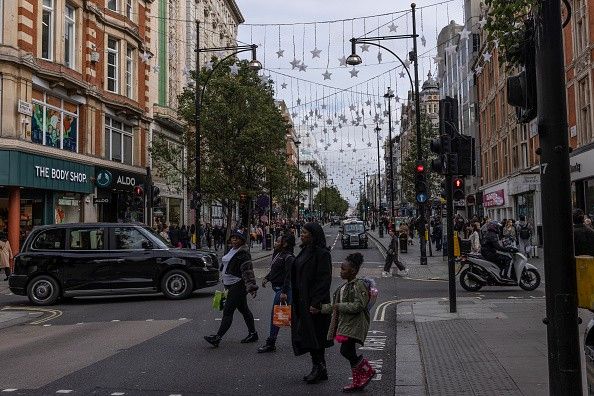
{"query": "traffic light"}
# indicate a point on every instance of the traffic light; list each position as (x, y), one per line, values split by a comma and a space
(441, 146)
(464, 149)
(155, 197)
(458, 188)
(521, 88)
(138, 198)
(448, 116)
(422, 191)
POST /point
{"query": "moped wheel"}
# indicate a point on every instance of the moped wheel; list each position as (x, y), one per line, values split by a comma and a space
(530, 279)
(468, 283)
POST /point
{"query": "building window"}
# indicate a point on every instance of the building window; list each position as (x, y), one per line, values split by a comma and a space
(492, 117)
(505, 157)
(47, 30)
(584, 120)
(112, 64)
(129, 72)
(580, 30)
(118, 141)
(495, 159)
(129, 9)
(69, 36)
(55, 123)
(112, 5)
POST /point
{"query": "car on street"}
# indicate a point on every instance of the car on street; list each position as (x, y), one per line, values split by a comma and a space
(335, 220)
(70, 260)
(354, 234)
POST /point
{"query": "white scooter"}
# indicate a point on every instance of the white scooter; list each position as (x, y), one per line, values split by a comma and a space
(481, 272)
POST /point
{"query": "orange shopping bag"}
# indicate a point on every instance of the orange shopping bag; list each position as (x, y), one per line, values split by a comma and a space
(282, 315)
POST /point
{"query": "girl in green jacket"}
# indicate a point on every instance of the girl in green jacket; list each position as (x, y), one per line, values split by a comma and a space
(350, 320)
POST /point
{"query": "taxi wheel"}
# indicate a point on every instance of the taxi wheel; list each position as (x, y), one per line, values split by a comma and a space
(177, 285)
(43, 290)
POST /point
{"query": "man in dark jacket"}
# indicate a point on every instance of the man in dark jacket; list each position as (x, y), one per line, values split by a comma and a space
(583, 237)
(392, 256)
(489, 247)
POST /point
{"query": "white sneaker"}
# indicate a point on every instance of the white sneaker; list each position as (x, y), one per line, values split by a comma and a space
(405, 272)
(386, 274)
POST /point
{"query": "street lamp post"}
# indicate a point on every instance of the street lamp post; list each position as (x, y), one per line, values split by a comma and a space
(255, 65)
(355, 59)
(379, 184)
(297, 143)
(309, 192)
(389, 95)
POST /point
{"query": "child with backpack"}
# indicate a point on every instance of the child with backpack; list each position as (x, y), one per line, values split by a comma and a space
(350, 319)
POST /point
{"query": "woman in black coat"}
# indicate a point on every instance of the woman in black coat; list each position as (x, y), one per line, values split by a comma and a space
(311, 276)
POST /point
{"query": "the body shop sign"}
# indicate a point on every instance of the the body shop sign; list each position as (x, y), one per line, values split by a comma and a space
(495, 198)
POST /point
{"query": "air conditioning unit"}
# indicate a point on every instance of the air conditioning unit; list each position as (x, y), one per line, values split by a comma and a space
(94, 56)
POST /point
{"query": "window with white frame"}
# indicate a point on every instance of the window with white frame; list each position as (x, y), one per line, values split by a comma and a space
(113, 64)
(47, 30)
(118, 141)
(113, 5)
(129, 72)
(54, 123)
(580, 26)
(69, 36)
(584, 108)
(129, 9)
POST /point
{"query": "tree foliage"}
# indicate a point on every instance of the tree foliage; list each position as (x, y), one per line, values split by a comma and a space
(428, 133)
(242, 137)
(331, 201)
(506, 26)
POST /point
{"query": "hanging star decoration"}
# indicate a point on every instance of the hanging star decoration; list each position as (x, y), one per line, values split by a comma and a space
(487, 57)
(304, 121)
(450, 49)
(423, 41)
(284, 85)
(496, 43)
(311, 127)
(354, 150)
(386, 113)
(351, 108)
(234, 69)
(401, 74)
(342, 61)
(379, 105)
(327, 75)
(393, 27)
(381, 121)
(406, 63)
(464, 34)
(145, 57)
(156, 68)
(315, 53)
(335, 140)
(368, 103)
(437, 58)
(280, 53)
(482, 23)
(379, 57)
(302, 67)
(298, 101)
(397, 98)
(349, 144)
(315, 125)
(334, 129)
(294, 114)
(369, 144)
(329, 121)
(295, 63)
(264, 79)
(365, 47)
(479, 70)
(324, 106)
(354, 72)
(341, 150)
(208, 65)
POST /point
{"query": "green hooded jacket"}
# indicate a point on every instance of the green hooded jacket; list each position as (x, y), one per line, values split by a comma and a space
(350, 317)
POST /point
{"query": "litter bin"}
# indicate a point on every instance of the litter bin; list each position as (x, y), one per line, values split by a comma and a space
(403, 242)
(268, 241)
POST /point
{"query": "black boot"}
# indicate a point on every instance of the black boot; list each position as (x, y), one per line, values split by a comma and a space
(317, 374)
(251, 337)
(214, 339)
(270, 346)
(7, 273)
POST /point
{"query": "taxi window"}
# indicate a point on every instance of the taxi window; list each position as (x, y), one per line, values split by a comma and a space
(50, 240)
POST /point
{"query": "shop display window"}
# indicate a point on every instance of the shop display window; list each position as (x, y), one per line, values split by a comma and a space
(67, 209)
(55, 123)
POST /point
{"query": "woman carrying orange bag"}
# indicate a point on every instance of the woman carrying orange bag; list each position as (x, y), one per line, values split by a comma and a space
(280, 279)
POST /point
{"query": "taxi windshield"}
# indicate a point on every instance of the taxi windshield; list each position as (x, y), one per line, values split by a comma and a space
(352, 228)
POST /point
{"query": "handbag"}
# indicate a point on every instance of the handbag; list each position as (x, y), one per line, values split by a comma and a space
(218, 300)
(281, 316)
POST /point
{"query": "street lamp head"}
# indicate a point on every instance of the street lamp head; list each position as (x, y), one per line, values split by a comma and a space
(254, 64)
(353, 58)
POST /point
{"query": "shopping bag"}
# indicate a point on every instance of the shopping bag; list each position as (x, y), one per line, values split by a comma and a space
(282, 315)
(218, 301)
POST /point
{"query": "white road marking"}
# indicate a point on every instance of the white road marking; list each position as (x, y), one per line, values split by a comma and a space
(118, 393)
(175, 394)
(79, 323)
(115, 320)
(64, 391)
(183, 319)
(150, 320)
(46, 325)
(10, 390)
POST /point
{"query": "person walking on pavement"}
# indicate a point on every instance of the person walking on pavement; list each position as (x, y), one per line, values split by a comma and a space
(475, 238)
(392, 256)
(5, 255)
(350, 320)
(524, 236)
(583, 237)
(280, 279)
(437, 234)
(311, 276)
(239, 280)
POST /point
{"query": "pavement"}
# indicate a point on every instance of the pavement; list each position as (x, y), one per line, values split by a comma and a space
(490, 346)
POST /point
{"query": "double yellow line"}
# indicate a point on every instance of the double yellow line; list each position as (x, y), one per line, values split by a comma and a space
(53, 313)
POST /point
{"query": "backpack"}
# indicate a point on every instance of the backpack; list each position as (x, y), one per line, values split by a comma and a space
(524, 232)
(371, 291)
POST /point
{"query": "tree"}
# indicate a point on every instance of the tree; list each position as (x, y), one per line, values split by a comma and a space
(288, 197)
(428, 133)
(331, 202)
(242, 137)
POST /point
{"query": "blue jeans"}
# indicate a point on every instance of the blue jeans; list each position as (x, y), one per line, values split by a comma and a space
(276, 301)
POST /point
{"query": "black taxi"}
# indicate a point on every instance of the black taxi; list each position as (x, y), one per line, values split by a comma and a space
(70, 260)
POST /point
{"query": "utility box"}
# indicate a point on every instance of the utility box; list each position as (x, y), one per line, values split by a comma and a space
(584, 266)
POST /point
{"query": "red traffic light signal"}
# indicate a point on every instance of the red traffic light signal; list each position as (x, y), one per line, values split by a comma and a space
(458, 189)
(458, 183)
(138, 191)
(420, 168)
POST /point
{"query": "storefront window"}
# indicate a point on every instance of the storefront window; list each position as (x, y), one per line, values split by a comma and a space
(55, 125)
(589, 192)
(525, 206)
(67, 209)
(175, 207)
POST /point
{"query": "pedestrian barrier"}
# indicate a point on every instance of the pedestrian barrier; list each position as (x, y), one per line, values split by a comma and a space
(584, 266)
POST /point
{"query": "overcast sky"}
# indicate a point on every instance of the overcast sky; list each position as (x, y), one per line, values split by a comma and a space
(308, 91)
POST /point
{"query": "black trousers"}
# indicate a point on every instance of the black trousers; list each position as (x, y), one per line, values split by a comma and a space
(236, 299)
(349, 351)
(393, 258)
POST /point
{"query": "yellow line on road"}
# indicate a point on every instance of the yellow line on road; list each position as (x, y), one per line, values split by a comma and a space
(53, 313)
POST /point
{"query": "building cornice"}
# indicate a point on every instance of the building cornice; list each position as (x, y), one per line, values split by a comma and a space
(235, 11)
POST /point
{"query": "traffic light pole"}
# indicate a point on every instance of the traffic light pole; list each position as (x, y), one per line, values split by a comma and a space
(449, 178)
(559, 261)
